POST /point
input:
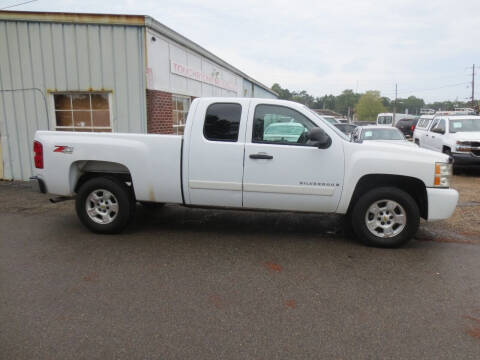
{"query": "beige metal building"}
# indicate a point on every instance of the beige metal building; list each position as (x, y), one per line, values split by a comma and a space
(97, 72)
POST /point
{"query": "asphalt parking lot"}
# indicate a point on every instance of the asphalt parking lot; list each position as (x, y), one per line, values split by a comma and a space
(196, 284)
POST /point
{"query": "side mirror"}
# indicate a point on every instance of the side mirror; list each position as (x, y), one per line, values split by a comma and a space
(319, 138)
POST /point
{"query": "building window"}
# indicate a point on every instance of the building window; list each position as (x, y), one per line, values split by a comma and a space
(87, 112)
(180, 106)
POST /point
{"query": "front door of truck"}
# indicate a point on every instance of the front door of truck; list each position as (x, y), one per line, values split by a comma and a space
(213, 170)
(281, 172)
(427, 140)
(437, 135)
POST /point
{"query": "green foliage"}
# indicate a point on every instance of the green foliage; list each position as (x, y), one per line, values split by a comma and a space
(349, 99)
(369, 105)
(284, 94)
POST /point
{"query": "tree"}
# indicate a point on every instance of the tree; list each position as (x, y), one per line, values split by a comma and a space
(369, 106)
(303, 98)
(325, 102)
(284, 94)
(347, 99)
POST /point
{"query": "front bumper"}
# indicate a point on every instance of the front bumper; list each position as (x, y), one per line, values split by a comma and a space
(441, 203)
(38, 184)
(465, 159)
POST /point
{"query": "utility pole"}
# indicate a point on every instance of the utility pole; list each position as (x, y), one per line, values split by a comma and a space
(473, 85)
(394, 106)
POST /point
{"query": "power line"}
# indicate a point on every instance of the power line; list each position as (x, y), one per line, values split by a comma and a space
(429, 89)
(15, 5)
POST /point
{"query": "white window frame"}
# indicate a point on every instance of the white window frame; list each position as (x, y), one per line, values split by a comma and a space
(53, 117)
(174, 111)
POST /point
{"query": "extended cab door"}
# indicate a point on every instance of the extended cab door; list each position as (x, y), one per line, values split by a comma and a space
(281, 171)
(213, 153)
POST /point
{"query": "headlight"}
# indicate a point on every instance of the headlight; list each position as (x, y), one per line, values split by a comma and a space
(443, 173)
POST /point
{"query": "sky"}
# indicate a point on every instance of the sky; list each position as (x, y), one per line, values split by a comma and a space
(426, 47)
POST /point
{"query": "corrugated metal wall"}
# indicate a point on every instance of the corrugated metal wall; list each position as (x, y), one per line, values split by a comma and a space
(258, 92)
(36, 58)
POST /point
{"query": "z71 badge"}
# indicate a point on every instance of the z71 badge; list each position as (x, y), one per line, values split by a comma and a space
(63, 149)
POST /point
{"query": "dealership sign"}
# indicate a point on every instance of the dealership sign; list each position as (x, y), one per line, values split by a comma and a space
(213, 78)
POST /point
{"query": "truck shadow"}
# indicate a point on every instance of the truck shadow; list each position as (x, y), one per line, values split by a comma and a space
(173, 217)
(467, 172)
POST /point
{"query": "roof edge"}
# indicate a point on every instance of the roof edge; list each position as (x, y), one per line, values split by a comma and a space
(83, 18)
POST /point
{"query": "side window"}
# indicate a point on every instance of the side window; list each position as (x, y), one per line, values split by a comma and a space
(440, 127)
(279, 124)
(222, 122)
(435, 122)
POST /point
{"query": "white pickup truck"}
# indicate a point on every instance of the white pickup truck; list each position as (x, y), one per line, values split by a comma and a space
(227, 159)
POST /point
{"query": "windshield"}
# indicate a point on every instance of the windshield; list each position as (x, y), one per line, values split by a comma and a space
(331, 120)
(382, 134)
(331, 126)
(384, 120)
(467, 125)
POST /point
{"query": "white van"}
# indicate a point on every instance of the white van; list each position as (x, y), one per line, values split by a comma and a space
(387, 118)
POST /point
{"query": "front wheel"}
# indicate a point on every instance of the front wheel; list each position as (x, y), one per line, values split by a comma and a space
(385, 217)
(105, 205)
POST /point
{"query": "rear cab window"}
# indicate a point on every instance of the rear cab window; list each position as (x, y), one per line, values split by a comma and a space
(222, 122)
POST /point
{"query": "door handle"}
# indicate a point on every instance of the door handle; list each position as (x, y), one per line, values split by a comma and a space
(433, 137)
(261, 156)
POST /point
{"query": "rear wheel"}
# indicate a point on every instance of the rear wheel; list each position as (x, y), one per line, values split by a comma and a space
(105, 205)
(385, 217)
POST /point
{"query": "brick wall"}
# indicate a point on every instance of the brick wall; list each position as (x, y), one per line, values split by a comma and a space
(159, 112)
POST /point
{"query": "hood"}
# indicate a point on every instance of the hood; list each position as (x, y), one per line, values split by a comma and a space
(397, 142)
(398, 150)
(466, 136)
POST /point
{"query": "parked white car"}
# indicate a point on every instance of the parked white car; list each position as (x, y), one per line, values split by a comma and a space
(455, 135)
(379, 133)
(226, 159)
(284, 131)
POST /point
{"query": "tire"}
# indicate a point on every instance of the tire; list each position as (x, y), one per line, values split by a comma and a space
(417, 142)
(385, 228)
(110, 207)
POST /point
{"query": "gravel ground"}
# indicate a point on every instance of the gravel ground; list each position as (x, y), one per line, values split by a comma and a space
(464, 225)
(202, 284)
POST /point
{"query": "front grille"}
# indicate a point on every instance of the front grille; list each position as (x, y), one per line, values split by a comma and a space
(476, 152)
(469, 143)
